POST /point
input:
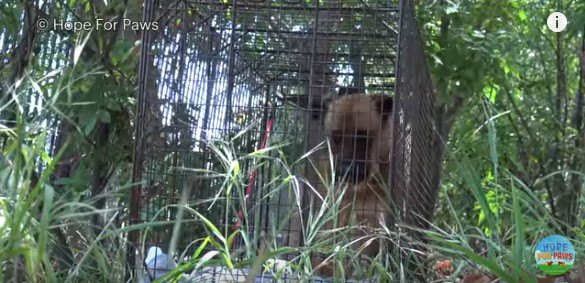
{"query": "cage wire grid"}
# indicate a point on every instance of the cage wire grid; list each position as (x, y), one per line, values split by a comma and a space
(257, 71)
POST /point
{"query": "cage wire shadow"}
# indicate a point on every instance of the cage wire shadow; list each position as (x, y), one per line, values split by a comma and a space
(214, 67)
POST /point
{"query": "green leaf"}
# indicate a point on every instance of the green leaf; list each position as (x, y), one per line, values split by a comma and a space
(520, 240)
(451, 8)
(90, 125)
(48, 198)
(105, 117)
(45, 157)
(522, 15)
(206, 257)
(437, 59)
(490, 93)
(201, 247)
(478, 34)
(467, 38)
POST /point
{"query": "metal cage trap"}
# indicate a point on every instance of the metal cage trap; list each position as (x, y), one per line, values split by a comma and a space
(229, 106)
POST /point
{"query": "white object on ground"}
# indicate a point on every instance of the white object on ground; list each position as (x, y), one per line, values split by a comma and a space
(158, 264)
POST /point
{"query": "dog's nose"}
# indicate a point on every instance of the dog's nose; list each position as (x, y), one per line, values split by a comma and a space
(351, 171)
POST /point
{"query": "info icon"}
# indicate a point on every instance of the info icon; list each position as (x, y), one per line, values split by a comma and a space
(556, 22)
(554, 255)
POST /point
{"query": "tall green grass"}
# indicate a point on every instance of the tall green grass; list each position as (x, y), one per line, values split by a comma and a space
(45, 230)
(32, 213)
(34, 218)
(512, 220)
(260, 249)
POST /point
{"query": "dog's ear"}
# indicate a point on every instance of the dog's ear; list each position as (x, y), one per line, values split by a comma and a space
(384, 104)
(320, 107)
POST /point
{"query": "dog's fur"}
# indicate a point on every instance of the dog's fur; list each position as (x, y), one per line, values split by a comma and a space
(359, 129)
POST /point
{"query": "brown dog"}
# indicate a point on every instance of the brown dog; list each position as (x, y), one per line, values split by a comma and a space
(359, 129)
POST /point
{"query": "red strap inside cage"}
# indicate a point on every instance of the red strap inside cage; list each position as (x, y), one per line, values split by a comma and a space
(253, 177)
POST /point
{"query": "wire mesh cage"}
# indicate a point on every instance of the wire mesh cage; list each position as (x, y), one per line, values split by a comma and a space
(224, 82)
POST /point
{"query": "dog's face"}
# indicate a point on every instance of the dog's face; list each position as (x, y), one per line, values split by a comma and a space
(359, 129)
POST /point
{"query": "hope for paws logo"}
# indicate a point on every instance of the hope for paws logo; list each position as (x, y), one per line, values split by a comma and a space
(554, 255)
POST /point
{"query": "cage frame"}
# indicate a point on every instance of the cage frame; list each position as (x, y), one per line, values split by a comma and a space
(409, 38)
